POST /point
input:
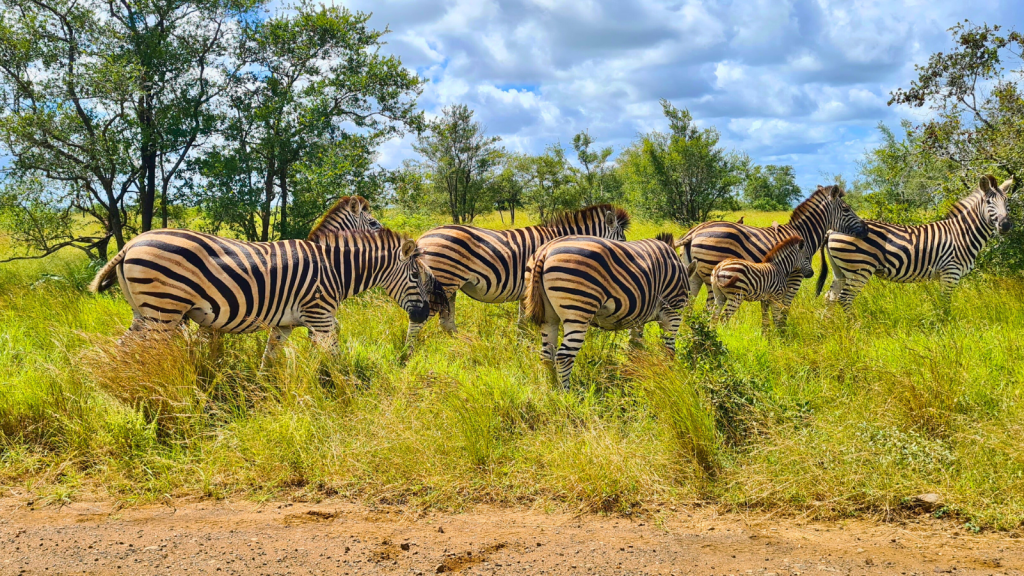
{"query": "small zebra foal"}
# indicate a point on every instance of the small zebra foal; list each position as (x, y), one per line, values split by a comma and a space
(734, 281)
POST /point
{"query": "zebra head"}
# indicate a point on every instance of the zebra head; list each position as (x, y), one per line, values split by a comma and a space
(993, 205)
(412, 284)
(789, 255)
(348, 213)
(841, 217)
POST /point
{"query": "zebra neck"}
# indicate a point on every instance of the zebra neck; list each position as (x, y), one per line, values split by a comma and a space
(812, 230)
(571, 229)
(974, 229)
(359, 267)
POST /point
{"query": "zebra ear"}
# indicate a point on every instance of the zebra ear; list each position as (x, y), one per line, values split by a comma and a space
(609, 219)
(985, 184)
(837, 192)
(408, 248)
(1005, 187)
(354, 206)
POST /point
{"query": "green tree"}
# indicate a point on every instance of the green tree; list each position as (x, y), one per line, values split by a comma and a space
(769, 187)
(595, 178)
(309, 95)
(550, 184)
(509, 184)
(458, 157)
(681, 175)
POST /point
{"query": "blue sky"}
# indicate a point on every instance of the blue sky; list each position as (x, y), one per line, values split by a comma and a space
(801, 82)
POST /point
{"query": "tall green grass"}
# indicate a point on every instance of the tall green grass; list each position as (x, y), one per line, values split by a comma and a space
(841, 415)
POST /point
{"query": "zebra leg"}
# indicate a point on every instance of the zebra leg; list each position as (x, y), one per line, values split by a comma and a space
(572, 341)
(717, 305)
(766, 317)
(278, 334)
(447, 317)
(731, 305)
(852, 286)
(669, 321)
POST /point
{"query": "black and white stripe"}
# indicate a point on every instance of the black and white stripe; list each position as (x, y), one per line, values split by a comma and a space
(735, 281)
(945, 250)
(229, 286)
(577, 282)
(490, 265)
(706, 245)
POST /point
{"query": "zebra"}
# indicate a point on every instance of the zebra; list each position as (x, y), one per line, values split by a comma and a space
(490, 265)
(614, 285)
(734, 281)
(348, 213)
(708, 244)
(231, 286)
(945, 250)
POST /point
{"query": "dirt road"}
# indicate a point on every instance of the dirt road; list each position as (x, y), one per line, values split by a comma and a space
(339, 538)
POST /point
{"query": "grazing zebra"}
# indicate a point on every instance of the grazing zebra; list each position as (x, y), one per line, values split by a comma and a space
(708, 244)
(238, 287)
(945, 250)
(490, 265)
(734, 281)
(579, 281)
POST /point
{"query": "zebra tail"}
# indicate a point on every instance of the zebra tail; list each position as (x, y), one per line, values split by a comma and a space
(107, 276)
(735, 278)
(535, 291)
(824, 267)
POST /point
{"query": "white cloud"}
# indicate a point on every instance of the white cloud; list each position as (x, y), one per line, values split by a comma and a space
(795, 81)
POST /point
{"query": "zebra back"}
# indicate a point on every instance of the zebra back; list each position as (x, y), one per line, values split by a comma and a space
(707, 244)
(490, 265)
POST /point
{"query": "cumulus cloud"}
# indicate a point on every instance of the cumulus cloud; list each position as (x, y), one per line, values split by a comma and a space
(801, 82)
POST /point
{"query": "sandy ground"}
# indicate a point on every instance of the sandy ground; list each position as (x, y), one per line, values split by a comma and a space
(240, 537)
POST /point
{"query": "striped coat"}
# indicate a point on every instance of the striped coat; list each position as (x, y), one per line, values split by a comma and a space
(945, 250)
(490, 265)
(706, 245)
(735, 281)
(236, 287)
(577, 282)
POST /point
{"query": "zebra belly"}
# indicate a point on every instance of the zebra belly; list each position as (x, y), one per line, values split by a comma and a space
(477, 290)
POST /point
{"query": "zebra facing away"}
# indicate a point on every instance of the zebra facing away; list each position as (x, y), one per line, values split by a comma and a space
(945, 250)
(490, 265)
(734, 281)
(230, 286)
(705, 245)
(582, 281)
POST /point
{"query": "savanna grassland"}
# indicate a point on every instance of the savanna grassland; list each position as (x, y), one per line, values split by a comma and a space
(839, 416)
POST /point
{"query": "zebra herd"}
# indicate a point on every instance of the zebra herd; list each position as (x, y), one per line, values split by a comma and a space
(575, 270)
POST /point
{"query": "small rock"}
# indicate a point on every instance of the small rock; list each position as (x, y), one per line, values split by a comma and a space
(405, 546)
(440, 529)
(440, 568)
(929, 502)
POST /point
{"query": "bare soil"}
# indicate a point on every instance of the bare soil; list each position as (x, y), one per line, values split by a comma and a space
(333, 537)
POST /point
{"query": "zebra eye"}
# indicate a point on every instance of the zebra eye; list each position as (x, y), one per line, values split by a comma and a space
(415, 274)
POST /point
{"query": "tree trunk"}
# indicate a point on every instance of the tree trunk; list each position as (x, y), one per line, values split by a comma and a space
(164, 204)
(283, 179)
(512, 212)
(268, 199)
(114, 223)
(147, 191)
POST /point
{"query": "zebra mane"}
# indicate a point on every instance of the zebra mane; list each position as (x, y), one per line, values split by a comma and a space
(970, 202)
(666, 237)
(328, 224)
(571, 217)
(805, 207)
(780, 247)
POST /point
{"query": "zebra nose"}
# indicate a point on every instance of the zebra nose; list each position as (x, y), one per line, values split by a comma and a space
(419, 313)
(1005, 226)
